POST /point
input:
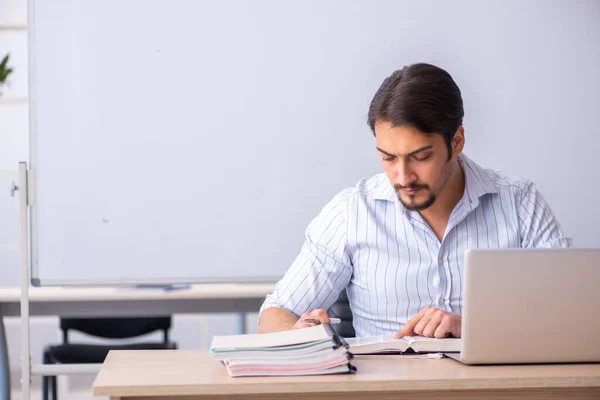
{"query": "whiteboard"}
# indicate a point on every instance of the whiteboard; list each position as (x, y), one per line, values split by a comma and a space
(193, 141)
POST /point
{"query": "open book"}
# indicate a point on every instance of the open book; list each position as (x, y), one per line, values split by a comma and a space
(388, 344)
(309, 351)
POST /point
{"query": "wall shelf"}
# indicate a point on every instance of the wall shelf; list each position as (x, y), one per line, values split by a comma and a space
(13, 27)
(13, 100)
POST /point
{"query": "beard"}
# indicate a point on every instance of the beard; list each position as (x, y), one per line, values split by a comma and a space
(416, 205)
(425, 191)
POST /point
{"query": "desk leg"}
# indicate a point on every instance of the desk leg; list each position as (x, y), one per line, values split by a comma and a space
(4, 364)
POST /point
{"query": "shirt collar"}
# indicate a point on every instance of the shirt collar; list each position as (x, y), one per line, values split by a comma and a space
(477, 180)
(384, 190)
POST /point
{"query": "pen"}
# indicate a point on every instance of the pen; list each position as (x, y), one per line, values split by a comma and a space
(316, 321)
(171, 288)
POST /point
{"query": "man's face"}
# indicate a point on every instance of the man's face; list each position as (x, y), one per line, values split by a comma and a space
(416, 164)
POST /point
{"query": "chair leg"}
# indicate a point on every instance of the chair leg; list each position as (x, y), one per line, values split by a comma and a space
(45, 387)
(54, 389)
(45, 379)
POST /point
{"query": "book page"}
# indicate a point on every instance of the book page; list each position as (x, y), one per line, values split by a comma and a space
(376, 344)
(369, 340)
(417, 339)
(421, 343)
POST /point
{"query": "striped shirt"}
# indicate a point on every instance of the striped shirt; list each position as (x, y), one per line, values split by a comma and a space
(391, 262)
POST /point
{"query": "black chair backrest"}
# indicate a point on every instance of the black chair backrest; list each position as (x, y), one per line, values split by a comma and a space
(116, 328)
(341, 309)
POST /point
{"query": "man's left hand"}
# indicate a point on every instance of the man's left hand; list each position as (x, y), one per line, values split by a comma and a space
(432, 322)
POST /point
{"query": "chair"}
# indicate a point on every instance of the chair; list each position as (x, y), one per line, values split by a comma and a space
(109, 328)
(341, 309)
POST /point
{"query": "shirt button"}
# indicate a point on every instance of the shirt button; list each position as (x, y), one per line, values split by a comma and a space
(441, 262)
(441, 301)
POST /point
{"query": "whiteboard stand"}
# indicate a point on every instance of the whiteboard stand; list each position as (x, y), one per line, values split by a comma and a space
(24, 246)
(27, 369)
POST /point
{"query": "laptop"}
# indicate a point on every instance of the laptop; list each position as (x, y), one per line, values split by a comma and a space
(530, 306)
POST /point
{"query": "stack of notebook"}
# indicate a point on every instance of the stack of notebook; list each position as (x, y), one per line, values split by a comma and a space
(308, 351)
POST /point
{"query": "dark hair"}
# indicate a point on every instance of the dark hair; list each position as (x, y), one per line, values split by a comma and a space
(421, 95)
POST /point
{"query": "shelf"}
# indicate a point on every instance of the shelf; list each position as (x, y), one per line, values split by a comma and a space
(13, 100)
(13, 27)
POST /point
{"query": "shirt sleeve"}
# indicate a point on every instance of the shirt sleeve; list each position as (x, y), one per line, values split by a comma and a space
(322, 269)
(539, 228)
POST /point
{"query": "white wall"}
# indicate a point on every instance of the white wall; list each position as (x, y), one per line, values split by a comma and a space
(189, 331)
(13, 130)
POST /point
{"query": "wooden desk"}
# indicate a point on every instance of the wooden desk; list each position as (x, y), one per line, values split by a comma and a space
(194, 374)
(101, 301)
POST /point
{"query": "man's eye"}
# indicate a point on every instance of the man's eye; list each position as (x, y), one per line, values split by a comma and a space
(423, 158)
(389, 158)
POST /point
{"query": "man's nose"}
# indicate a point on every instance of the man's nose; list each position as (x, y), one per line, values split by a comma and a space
(404, 175)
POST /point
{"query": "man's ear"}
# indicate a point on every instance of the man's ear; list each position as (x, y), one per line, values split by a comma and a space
(458, 141)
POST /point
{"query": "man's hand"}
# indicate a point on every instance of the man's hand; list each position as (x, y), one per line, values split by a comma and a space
(432, 322)
(320, 315)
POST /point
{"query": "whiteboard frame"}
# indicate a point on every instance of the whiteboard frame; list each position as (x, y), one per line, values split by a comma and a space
(37, 269)
(31, 40)
(35, 278)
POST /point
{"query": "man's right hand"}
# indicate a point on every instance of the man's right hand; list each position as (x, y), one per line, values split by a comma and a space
(320, 315)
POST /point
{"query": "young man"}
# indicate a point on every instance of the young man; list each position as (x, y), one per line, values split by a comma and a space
(396, 241)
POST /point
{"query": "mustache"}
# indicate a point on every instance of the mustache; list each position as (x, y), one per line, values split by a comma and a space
(413, 186)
